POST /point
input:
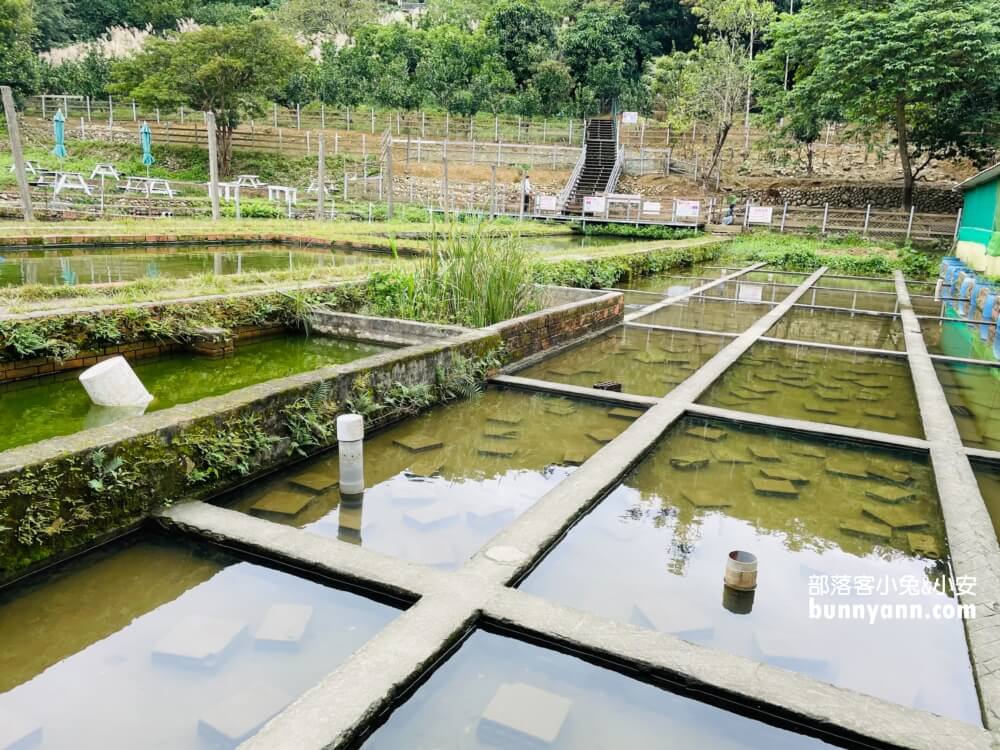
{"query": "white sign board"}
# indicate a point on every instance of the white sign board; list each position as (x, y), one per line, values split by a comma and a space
(651, 207)
(751, 293)
(761, 214)
(630, 118)
(687, 210)
(593, 204)
(547, 202)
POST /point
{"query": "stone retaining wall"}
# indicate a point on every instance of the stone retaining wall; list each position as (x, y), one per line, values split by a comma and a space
(571, 313)
(888, 196)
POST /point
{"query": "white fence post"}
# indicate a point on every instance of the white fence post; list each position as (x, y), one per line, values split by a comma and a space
(958, 226)
(909, 224)
(868, 215)
(826, 215)
(784, 215)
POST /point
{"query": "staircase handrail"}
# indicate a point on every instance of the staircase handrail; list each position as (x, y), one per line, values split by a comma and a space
(574, 177)
(616, 171)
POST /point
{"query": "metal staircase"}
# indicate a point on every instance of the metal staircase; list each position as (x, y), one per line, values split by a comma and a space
(599, 167)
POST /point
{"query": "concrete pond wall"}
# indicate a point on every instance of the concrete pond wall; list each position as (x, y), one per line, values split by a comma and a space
(60, 495)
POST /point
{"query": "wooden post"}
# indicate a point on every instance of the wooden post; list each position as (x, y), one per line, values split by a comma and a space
(320, 175)
(88, 108)
(14, 133)
(520, 208)
(322, 115)
(213, 165)
(274, 113)
(373, 119)
(388, 179)
(298, 116)
(444, 184)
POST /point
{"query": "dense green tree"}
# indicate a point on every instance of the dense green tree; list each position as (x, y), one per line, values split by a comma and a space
(930, 69)
(524, 34)
(601, 48)
(664, 26)
(314, 17)
(86, 76)
(450, 62)
(56, 23)
(226, 70)
(553, 85)
(18, 64)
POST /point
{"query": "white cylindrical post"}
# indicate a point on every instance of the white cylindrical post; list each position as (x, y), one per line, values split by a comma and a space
(113, 383)
(826, 216)
(868, 216)
(350, 448)
(784, 215)
(909, 224)
(741, 571)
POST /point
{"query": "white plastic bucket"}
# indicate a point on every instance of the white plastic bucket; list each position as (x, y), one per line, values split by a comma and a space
(113, 383)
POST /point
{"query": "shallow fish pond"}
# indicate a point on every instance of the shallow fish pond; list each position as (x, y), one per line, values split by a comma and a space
(39, 409)
(814, 512)
(439, 485)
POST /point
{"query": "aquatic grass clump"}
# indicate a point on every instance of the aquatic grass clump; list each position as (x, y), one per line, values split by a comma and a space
(474, 279)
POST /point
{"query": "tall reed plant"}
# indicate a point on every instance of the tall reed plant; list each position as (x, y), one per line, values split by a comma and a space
(470, 278)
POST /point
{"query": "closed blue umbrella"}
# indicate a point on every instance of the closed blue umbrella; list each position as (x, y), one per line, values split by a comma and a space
(146, 139)
(59, 129)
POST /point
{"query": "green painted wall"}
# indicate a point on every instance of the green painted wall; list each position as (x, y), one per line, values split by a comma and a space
(979, 213)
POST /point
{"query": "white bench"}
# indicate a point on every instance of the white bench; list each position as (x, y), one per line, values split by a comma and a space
(71, 181)
(105, 170)
(149, 186)
(282, 194)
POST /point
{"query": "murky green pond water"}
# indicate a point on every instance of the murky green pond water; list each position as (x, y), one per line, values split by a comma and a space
(973, 393)
(708, 315)
(645, 361)
(570, 242)
(841, 328)
(988, 476)
(35, 410)
(497, 692)
(821, 385)
(441, 484)
(830, 524)
(850, 299)
(97, 265)
(859, 283)
(155, 643)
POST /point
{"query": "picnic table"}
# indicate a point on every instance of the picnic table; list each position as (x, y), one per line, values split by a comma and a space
(149, 186)
(46, 177)
(71, 181)
(30, 167)
(282, 194)
(105, 170)
(313, 188)
(249, 180)
(226, 188)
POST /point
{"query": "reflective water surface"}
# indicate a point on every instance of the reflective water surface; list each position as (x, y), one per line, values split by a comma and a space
(708, 315)
(821, 385)
(841, 328)
(645, 361)
(497, 692)
(154, 643)
(441, 484)
(830, 524)
(973, 394)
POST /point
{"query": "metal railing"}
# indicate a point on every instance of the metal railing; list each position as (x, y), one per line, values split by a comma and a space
(573, 179)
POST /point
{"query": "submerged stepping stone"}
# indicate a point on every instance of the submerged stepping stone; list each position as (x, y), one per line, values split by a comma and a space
(505, 419)
(868, 396)
(767, 377)
(816, 408)
(726, 456)
(746, 395)
(198, 640)
(686, 463)
(706, 499)
(488, 512)
(836, 396)
(502, 433)
(763, 453)
(872, 384)
(425, 467)
(797, 383)
(867, 529)
(808, 451)
(900, 519)
(629, 414)
(560, 372)
(316, 480)
(789, 476)
(774, 488)
(891, 495)
(575, 457)
(879, 413)
(282, 502)
(762, 390)
(790, 650)
(846, 467)
(18, 732)
(284, 624)
(889, 474)
(520, 715)
(497, 451)
(242, 714)
(924, 545)
(431, 516)
(418, 443)
(560, 410)
(603, 436)
(650, 358)
(712, 434)
(732, 403)
(684, 621)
